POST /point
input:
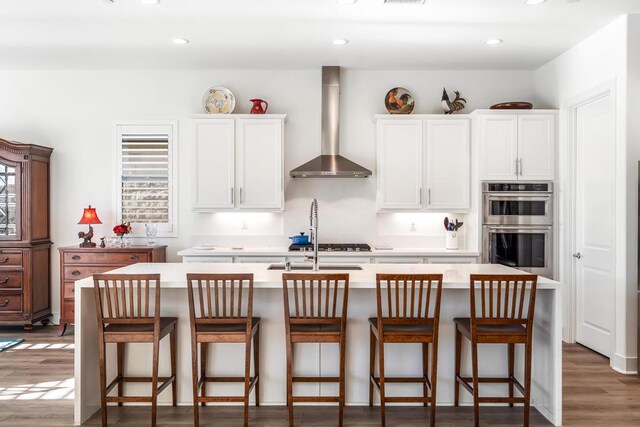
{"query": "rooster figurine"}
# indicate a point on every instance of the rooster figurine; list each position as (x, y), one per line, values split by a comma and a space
(450, 107)
(87, 238)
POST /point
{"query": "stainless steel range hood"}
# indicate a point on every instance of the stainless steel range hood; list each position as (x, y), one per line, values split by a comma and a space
(330, 164)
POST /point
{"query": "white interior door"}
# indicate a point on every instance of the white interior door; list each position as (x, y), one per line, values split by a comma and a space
(594, 259)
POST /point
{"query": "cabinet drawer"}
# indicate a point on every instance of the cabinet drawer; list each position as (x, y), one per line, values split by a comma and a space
(11, 303)
(69, 290)
(117, 258)
(77, 272)
(68, 311)
(10, 258)
(10, 280)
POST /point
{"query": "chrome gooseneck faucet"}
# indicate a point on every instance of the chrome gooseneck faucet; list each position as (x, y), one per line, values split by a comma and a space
(313, 232)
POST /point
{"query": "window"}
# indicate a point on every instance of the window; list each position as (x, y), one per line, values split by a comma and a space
(147, 178)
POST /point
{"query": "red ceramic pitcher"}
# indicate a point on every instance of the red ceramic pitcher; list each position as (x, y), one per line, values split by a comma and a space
(257, 106)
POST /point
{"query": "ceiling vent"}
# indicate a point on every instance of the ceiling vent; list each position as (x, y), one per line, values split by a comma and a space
(404, 1)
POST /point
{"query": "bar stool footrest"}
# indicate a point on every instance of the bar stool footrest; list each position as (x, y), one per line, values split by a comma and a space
(467, 382)
(316, 379)
(323, 399)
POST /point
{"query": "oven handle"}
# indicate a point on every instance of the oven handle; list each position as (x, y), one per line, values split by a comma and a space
(521, 229)
(519, 197)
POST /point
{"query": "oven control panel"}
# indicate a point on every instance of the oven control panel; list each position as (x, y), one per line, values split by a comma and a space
(518, 186)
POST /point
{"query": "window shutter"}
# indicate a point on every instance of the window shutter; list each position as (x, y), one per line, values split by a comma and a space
(145, 160)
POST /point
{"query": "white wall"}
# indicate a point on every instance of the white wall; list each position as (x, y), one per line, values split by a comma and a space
(74, 112)
(600, 59)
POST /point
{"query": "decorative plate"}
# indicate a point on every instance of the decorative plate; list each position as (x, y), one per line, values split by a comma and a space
(399, 101)
(218, 100)
(512, 106)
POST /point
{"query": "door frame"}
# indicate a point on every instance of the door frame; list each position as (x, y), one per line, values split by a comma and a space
(567, 205)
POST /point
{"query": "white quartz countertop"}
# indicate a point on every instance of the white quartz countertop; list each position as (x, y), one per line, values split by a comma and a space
(456, 276)
(279, 251)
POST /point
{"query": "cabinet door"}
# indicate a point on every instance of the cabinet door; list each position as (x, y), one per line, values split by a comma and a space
(214, 161)
(448, 165)
(536, 146)
(259, 153)
(498, 147)
(400, 173)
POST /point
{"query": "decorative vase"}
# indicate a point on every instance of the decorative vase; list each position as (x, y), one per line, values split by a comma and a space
(122, 244)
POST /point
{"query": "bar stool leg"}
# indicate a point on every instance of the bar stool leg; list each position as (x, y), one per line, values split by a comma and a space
(174, 354)
(290, 380)
(120, 350)
(203, 369)
(476, 404)
(256, 364)
(381, 370)
(342, 387)
(247, 379)
(425, 370)
(154, 380)
(434, 379)
(372, 363)
(527, 382)
(511, 351)
(194, 374)
(456, 384)
(103, 381)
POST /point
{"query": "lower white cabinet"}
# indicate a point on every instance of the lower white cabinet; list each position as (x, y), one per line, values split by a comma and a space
(218, 259)
(398, 260)
(260, 259)
(452, 260)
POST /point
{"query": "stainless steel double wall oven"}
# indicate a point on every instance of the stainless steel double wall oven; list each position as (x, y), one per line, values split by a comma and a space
(518, 225)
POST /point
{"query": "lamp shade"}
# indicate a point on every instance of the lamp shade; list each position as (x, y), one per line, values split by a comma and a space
(89, 216)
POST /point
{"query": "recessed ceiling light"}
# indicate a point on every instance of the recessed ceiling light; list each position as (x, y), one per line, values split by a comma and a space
(493, 42)
(347, 2)
(150, 1)
(534, 2)
(180, 41)
(340, 42)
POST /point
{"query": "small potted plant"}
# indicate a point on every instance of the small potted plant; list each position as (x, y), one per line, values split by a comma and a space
(122, 230)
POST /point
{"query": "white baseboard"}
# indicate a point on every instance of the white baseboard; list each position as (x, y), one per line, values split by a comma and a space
(624, 365)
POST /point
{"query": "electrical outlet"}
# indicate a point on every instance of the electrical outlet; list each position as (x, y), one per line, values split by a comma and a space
(413, 227)
(244, 225)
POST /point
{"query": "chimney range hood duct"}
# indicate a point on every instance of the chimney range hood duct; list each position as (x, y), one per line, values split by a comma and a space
(330, 164)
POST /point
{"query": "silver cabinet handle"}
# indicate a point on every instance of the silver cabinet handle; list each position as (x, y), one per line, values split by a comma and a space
(232, 195)
(520, 165)
(516, 162)
(428, 196)
(241, 199)
(420, 195)
(577, 255)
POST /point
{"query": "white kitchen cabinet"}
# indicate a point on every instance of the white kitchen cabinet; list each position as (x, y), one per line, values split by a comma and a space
(239, 163)
(448, 165)
(536, 147)
(400, 161)
(398, 260)
(260, 259)
(452, 260)
(517, 146)
(213, 258)
(259, 165)
(214, 165)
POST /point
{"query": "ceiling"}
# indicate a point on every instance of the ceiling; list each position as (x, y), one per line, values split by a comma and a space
(441, 34)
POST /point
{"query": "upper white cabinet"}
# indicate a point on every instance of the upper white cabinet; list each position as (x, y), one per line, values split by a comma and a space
(423, 164)
(400, 161)
(239, 163)
(517, 146)
(448, 165)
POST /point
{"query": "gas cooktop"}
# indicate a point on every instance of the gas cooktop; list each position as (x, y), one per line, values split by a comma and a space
(332, 247)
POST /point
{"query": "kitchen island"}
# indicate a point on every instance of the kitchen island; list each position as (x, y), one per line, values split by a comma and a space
(316, 359)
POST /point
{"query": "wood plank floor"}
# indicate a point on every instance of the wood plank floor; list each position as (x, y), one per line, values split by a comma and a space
(36, 390)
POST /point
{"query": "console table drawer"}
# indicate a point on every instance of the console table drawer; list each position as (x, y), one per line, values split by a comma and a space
(10, 280)
(10, 258)
(117, 258)
(77, 272)
(11, 303)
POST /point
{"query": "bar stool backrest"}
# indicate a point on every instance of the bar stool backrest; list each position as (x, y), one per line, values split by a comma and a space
(409, 298)
(127, 298)
(503, 299)
(313, 298)
(219, 298)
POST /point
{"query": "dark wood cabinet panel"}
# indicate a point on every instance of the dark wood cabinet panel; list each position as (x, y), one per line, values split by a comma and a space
(78, 263)
(25, 277)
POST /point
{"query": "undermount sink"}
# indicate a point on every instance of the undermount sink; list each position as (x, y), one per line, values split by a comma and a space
(296, 267)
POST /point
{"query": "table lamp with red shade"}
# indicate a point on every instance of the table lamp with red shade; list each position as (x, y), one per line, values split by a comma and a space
(89, 216)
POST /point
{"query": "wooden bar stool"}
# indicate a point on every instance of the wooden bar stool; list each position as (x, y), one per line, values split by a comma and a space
(506, 304)
(218, 314)
(317, 315)
(409, 313)
(128, 314)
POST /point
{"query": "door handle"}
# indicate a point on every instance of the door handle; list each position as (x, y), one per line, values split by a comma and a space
(577, 255)
(520, 165)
